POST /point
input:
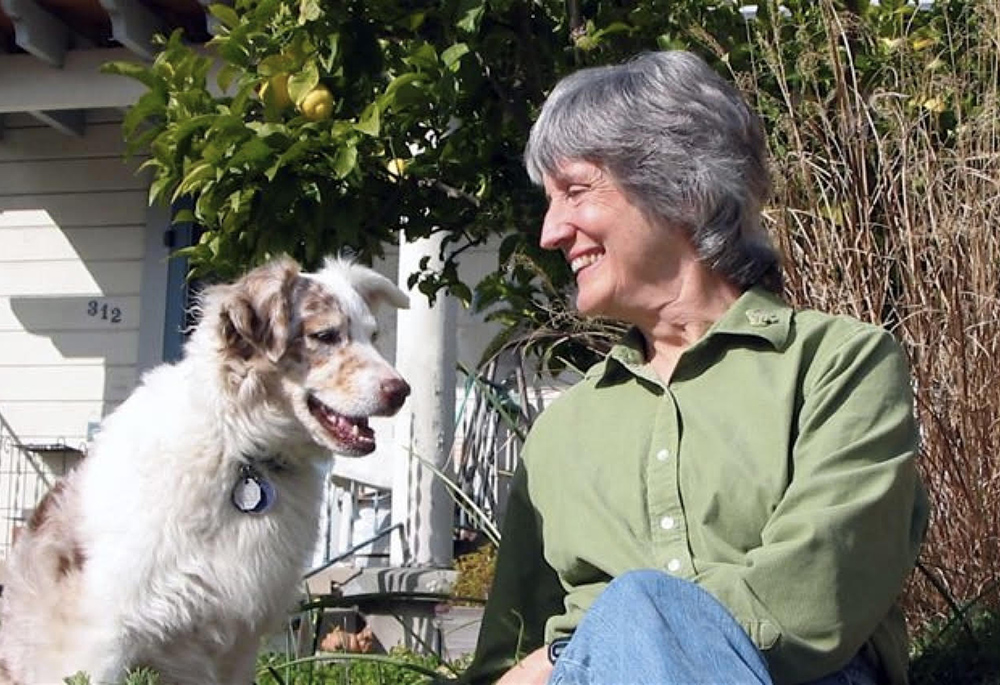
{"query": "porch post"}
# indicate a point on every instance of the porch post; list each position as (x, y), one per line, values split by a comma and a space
(426, 356)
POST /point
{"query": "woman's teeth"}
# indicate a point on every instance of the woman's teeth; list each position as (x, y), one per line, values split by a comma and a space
(583, 261)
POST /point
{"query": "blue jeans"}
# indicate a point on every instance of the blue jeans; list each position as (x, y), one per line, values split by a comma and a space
(652, 628)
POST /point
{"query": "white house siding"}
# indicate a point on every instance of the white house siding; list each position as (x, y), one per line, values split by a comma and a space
(73, 262)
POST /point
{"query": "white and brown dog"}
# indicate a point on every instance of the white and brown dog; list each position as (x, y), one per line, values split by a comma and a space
(181, 539)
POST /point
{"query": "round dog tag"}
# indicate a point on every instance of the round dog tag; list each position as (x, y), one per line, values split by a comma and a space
(252, 493)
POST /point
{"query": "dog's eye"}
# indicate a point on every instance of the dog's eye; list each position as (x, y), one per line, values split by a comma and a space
(329, 336)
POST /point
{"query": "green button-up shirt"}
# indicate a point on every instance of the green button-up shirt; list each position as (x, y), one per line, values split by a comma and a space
(775, 470)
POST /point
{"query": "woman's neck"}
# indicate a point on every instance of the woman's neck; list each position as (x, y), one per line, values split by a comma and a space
(703, 298)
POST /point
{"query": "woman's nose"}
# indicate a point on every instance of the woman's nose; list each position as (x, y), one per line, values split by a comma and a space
(555, 230)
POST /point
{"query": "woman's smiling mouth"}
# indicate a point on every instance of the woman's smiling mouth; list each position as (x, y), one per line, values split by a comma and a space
(583, 261)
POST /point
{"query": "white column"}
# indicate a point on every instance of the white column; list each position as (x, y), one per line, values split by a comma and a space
(426, 344)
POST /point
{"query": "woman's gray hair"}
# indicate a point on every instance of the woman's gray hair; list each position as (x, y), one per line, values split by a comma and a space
(681, 143)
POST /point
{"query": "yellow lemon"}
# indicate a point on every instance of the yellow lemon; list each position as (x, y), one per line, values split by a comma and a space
(317, 105)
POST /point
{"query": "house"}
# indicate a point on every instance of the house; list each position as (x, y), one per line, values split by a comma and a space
(89, 299)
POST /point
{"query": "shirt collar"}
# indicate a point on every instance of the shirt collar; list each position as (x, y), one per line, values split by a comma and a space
(758, 313)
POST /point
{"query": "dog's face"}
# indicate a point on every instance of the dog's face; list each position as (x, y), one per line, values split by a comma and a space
(311, 335)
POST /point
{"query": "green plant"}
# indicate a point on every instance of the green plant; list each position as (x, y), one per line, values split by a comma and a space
(959, 652)
(143, 676)
(399, 667)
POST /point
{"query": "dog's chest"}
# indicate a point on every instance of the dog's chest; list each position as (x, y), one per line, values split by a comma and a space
(204, 560)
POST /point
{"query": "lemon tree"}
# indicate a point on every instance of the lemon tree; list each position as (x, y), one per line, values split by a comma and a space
(306, 127)
(309, 126)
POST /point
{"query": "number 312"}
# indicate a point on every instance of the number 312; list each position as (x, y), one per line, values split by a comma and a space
(105, 311)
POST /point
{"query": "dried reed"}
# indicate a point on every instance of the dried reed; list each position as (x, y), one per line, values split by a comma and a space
(887, 208)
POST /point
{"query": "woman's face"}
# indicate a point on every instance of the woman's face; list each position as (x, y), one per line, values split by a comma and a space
(626, 267)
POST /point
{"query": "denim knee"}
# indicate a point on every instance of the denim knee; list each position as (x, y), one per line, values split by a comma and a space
(649, 594)
(648, 583)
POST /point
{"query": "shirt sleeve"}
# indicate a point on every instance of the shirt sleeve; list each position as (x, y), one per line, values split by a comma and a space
(525, 591)
(836, 550)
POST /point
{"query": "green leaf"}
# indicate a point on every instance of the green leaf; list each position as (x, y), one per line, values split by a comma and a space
(276, 135)
(297, 150)
(309, 10)
(226, 15)
(272, 65)
(346, 160)
(470, 15)
(196, 176)
(251, 153)
(150, 106)
(184, 131)
(332, 52)
(462, 292)
(424, 57)
(228, 73)
(369, 122)
(453, 54)
(158, 190)
(303, 81)
(183, 216)
(402, 80)
(140, 72)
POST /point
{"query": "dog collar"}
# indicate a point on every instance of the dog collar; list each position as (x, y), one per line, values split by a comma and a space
(253, 493)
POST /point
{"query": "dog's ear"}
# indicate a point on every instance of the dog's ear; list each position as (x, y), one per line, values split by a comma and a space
(255, 317)
(376, 289)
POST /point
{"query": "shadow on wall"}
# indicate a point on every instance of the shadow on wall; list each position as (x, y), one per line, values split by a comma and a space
(75, 275)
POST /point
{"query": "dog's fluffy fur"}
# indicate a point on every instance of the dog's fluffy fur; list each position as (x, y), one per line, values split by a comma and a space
(140, 557)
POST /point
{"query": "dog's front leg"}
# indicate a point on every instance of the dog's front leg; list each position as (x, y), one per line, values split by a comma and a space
(236, 664)
(240, 664)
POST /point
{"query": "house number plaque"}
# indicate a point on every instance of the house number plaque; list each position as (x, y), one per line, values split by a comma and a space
(105, 311)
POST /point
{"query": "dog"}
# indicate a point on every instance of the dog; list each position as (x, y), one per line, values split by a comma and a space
(181, 539)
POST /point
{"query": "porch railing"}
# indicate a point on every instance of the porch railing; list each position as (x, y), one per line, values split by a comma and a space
(27, 472)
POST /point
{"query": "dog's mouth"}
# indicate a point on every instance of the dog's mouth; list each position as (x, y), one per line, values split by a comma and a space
(351, 434)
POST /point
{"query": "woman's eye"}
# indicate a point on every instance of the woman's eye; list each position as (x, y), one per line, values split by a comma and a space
(330, 336)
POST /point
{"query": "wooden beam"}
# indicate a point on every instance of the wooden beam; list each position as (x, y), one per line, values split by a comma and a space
(38, 32)
(68, 121)
(133, 25)
(28, 85)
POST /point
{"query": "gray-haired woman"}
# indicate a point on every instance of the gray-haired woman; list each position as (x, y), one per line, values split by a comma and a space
(731, 496)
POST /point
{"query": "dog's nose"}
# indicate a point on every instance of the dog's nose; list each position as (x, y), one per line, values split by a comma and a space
(395, 390)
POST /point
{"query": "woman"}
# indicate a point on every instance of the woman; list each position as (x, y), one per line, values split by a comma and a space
(731, 496)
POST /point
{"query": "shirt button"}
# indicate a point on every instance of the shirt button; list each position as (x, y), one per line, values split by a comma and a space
(667, 522)
(674, 565)
(663, 455)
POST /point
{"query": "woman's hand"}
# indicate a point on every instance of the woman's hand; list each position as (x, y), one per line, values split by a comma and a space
(534, 669)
